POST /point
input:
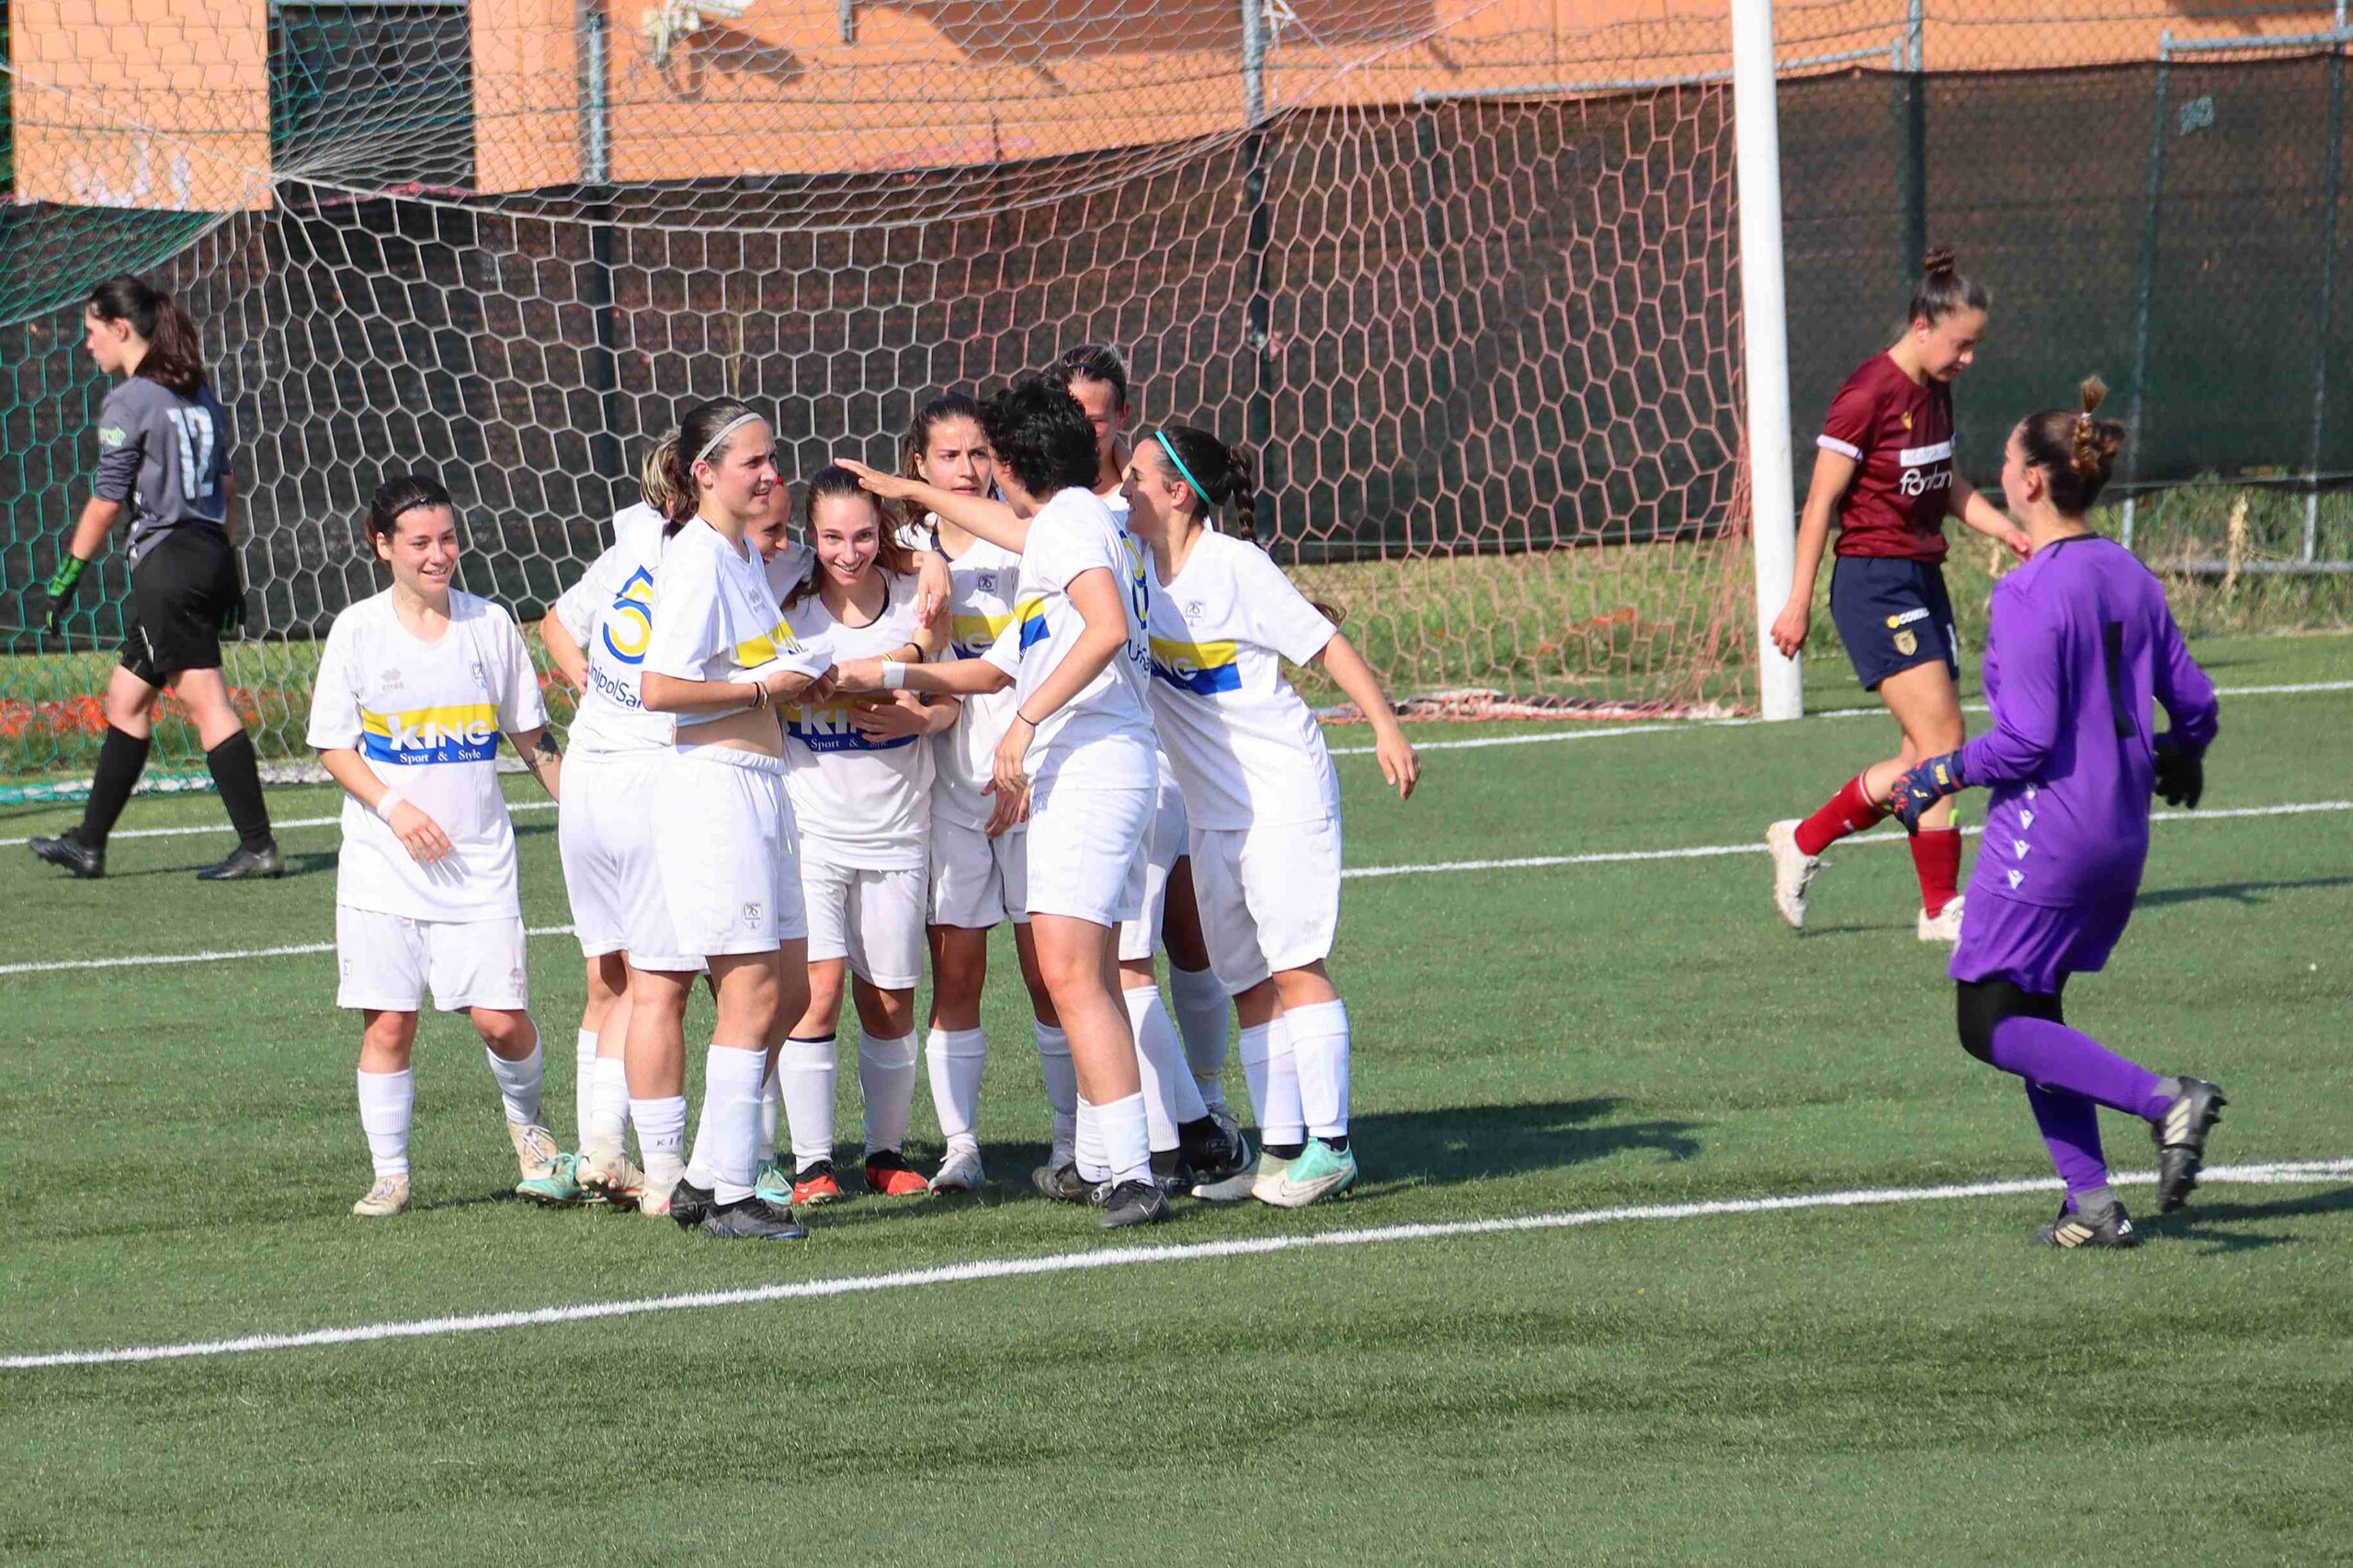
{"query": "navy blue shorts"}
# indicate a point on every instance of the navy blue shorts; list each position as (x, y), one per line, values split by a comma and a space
(1892, 614)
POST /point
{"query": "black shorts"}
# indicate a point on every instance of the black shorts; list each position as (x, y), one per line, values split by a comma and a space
(181, 591)
(1892, 614)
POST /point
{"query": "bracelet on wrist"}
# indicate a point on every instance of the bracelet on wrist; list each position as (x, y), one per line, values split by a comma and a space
(1025, 718)
(387, 803)
(894, 675)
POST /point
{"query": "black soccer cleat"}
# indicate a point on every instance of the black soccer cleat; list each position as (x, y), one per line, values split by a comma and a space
(752, 1219)
(70, 852)
(1133, 1203)
(2110, 1227)
(2180, 1137)
(246, 865)
(1215, 1147)
(691, 1205)
(1062, 1183)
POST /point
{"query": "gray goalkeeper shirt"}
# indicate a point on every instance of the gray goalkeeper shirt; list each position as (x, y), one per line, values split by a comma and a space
(167, 455)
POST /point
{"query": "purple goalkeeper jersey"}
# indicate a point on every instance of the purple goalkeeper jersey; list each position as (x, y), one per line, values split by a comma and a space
(2080, 650)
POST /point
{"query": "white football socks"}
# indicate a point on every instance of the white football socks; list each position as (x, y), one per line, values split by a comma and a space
(771, 1107)
(731, 1118)
(805, 1070)
(886, 1082)
(1319, 1045)
(661, 1139)
(1272, 1075)
(1170, 1095)
(1087, 1150)
(1199, 1005)
(1126, 1138)
(387, 1102)
(955, 1058)
(518, 1083)
(1062, 1091)
(607, 1120)
(583, 1083)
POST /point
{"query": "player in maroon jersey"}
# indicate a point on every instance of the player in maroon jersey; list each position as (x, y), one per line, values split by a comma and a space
(1885, 469)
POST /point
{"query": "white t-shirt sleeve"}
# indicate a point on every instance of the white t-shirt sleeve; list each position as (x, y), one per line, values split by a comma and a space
(520, 707)
(687, 627)
(1060, 550)
(1276, 612)
(1006, 652)
(578, 607)
(335, 703)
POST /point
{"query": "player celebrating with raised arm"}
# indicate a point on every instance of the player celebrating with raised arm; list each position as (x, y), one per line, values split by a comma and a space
(1078, 757)
(413, 692)
(1261, 794)
(1885, 470)
(718, 658)
(859, 773)
(164, 441)
(2080, 651)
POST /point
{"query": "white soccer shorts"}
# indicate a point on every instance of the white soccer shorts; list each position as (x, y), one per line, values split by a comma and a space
(386, 962)
(612, 870)
(1162, 848)
(875, 919)
(977, 881)
(1269, 897)
(730, 854)
(1085, 852)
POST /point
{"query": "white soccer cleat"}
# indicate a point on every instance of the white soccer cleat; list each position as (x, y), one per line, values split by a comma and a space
(1243, 1184)
(960, 1172)
(608, 1174)
(386, 1199)
(1943, 926)
(1792, 869)
(536, 1148)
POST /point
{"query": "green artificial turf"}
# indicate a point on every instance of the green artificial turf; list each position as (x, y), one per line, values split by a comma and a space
(180, 1148)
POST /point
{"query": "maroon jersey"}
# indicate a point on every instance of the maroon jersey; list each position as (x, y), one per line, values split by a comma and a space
(1900, 436)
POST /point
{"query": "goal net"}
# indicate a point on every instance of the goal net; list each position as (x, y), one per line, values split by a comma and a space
(1481, 331)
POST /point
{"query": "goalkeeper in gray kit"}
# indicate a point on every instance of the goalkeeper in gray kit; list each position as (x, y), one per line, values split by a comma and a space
(164, 442)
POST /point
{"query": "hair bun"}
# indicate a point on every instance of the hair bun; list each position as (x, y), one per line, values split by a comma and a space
(1941, 262)
(2094, 391)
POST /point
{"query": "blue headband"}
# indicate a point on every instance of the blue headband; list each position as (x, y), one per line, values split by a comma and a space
(1196, 486)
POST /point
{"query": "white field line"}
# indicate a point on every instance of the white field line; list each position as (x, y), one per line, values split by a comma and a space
(1679, 726)
(2285, 1173)
(1436, 867)
(1475, 744)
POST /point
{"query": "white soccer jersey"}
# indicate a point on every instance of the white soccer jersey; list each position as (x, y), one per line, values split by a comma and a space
(860, 802)
(1244, 746)
(1102, 737)
(714, 616)
(610, 612)
(427, 716)
(984, 579)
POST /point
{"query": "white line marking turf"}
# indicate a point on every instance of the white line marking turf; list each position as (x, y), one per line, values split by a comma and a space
(2285, 1173)
(1479, 743)
(1435, 868)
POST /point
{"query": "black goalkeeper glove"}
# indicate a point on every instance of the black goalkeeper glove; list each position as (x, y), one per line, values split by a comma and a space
(2181, 774)
(1927, 783)
(60, 590)
(232, 619)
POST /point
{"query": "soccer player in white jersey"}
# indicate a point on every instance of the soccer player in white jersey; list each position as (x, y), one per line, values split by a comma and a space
(412, 692)
(860, 774)
(1261, 794)
(1193, 1135)
(977, 879)
(1077, 757)
(718, 659)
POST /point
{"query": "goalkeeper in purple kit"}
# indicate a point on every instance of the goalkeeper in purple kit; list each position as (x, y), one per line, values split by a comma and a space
(2080, 651)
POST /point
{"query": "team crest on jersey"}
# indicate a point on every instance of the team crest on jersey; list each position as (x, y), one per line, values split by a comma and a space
(1906, 417)
(985, 582)
(481, 679)
(752, 908)
(1907, 643)
(391, 678)
(1195, 606)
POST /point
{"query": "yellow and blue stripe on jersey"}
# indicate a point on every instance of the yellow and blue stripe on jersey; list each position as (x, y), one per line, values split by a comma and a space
(827, 728)
(466, 731)
(1032, 614)
(1204, 668)
(969, 636)
(754, 652)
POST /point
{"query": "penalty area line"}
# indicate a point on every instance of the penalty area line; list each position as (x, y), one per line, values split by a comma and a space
(2284, 1173)
(1430, 868)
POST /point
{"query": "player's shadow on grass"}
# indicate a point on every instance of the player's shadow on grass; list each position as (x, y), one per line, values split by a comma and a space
(1458, 1144)
(2206, 1224)
(2239, 893)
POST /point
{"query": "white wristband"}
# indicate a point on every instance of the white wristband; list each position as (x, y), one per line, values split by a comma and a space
(894, 675)
(388, 803)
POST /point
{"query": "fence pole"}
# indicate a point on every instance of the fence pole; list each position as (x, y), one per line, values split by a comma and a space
(2148, 272)
(602, 366)
(1773, 533)
(1913, 109)
(2329, 187)
(1257, 222)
